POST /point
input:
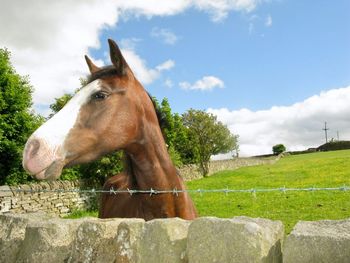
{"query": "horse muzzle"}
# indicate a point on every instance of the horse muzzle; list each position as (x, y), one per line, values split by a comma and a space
(41, 160)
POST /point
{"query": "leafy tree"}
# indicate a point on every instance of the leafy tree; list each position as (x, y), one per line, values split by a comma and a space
(208, 137)
(103, 168)
(168, 129)
(278, 148)
(169, 124)
(17, 121)
(236, 149)
(181, 141)
(59, 103)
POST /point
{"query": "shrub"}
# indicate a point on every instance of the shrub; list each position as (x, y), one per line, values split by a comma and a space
(278, 149)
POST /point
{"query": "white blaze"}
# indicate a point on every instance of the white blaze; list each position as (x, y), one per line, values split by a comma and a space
(55, 130)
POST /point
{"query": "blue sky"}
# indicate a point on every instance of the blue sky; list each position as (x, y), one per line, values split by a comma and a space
(273, 71)
(303, 51)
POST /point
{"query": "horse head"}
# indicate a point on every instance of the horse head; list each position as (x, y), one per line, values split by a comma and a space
(107, 114)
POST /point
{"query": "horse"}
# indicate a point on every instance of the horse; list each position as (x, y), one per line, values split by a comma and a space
(112, 112)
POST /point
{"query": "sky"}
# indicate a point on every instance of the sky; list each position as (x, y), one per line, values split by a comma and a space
(273, 71)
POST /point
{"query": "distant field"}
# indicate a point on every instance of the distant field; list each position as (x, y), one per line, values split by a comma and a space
(323, 169)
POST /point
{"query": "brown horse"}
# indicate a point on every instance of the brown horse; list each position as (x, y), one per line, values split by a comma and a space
(112, 112)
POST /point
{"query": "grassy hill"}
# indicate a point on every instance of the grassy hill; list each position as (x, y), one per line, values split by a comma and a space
(321, 169)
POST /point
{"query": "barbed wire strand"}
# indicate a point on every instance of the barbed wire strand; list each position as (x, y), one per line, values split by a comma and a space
(176, 191)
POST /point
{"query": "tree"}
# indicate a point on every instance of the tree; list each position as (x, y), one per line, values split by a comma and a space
(181, 142)
(236, 149)
(169, 125)
(278, 148)
(17, 121)
(208, 137)
(59, 103)
(168, 128)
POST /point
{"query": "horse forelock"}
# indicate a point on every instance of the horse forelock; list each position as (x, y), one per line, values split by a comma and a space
(108, 71)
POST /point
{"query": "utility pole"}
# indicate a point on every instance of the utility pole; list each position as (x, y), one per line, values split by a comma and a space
(325, 130)
(338, 135)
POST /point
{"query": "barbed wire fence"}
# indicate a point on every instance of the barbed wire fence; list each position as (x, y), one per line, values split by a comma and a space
(176, 191)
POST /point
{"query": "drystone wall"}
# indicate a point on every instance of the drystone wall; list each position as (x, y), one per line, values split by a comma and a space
(34, 198)
(40, 238)
(191, 172)
(59, 203)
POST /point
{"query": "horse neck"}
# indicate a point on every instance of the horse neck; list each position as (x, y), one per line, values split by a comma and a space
(149, 163)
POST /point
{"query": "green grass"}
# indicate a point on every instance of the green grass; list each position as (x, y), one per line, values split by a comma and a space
(324, 169)
(81, 213)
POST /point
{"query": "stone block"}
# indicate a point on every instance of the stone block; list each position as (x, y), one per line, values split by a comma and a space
(54, 184)
(240, 239)
(318, 241)
(94, 241)
(128, 241)
(26, 188)
(53, 197)
(5, 190)
(64, 209)
(44, 196)
(49, 241)
(164, 240)
(14, 203)
(16, 191)
(12, 233)
(5, 206)
(44, 185)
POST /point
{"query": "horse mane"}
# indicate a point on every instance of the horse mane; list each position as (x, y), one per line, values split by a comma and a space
(163, 123)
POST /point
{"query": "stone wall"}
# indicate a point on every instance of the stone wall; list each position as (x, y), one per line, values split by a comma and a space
(63, 203)
(191, 172)
(39, 238)
(50, 202)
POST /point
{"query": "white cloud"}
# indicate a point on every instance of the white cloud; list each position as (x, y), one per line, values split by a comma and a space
(166, 65)
(251, 26)
(219, 9)
(268, 21)
(165, 35)
(129, 43)
(168, 83)
(139, 66)
(205, 83)
(48, 39)
(298, 126)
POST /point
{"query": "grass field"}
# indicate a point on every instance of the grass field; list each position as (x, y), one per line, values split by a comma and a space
(323, 169)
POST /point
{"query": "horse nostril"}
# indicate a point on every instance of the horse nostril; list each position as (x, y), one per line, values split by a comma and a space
(33, 148)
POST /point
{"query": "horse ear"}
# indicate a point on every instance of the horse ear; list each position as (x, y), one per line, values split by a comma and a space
(117, 57)
(92, 67)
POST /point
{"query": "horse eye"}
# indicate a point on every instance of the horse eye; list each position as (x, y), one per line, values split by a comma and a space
(99, 96)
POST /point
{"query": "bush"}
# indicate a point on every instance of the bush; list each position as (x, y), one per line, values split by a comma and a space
(17, 121)
(278, 149)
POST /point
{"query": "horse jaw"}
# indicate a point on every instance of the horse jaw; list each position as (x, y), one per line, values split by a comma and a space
(52, 172)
